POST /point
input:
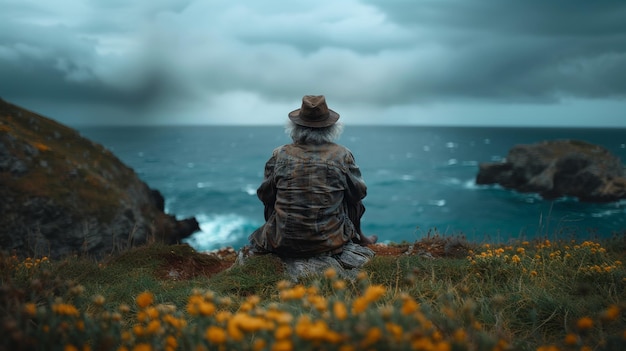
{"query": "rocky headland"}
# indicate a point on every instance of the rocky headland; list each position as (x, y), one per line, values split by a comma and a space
(559, 168)
(62, 193)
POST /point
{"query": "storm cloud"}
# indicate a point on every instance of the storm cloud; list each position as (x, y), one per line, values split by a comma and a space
(483, 62)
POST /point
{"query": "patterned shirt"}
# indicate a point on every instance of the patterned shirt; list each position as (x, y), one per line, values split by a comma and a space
(312, 196)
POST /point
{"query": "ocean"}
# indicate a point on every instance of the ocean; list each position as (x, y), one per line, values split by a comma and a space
(421, 180)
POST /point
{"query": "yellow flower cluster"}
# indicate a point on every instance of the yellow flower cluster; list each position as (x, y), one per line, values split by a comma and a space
(65, 309)
(29, 263)
(41, 146)
(590, 257)
(303, 318)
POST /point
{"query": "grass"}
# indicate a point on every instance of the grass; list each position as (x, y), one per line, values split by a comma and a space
(541, 295)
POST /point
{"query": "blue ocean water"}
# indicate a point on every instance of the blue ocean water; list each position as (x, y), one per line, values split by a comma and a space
(419, 179)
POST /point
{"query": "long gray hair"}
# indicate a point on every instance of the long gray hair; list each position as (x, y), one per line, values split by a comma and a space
(307, 135)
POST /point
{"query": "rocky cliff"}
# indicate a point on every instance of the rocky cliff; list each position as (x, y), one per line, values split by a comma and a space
(559, 168)
(61, 193)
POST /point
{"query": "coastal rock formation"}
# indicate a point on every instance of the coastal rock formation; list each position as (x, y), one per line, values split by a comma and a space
(559, 168)
(61, 193)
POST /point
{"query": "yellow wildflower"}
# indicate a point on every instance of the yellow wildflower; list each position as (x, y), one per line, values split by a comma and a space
(259, 344)
(330, 273)
(283, 285)
(123, 308)
(297, 292)
(279, 316)
(30, 309)
(142, 347)
(145, 299)
(340, 310)
(283, 345)
(98, 300)
(154, 328)
(339, 284)
(460, 335)
(138, 330)
(41, 147)
(611, 313)
(206, 309)
(374, 292)
(409, 306)
(65, 309)
(571, 339)
(283, 332)
(171, 341)
(215, 335)
(359, 305)
(584, 323)
(395, 330)
(70, 347)
(319, 302)
(361, 276)
(222, 316)
(248, 323)
(373, 335)
(548, 348)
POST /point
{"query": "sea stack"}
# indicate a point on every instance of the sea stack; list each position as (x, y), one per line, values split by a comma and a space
(559, 168)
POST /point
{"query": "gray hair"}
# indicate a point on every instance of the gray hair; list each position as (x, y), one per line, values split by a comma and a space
(307, 135)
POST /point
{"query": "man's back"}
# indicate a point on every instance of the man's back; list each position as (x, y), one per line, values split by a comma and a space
(305, 187)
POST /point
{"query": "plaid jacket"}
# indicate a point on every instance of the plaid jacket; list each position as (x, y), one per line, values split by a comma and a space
(312, 196)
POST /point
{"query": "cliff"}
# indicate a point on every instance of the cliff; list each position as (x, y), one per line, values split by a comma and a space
(559, 168)
(62, 193)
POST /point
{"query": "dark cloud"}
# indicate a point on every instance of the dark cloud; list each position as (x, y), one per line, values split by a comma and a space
(518, 50)
(165, 56)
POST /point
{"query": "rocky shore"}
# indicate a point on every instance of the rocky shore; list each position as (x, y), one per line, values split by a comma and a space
(62, 193)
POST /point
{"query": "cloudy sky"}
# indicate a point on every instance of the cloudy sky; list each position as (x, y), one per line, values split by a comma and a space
(441, 62)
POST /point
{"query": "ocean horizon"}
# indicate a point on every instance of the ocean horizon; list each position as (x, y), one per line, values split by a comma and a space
(421, 180)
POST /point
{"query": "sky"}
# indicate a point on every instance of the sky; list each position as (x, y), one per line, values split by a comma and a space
(249, 62)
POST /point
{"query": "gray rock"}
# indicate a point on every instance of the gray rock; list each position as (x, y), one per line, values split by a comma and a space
(559, 168)
(346, 264)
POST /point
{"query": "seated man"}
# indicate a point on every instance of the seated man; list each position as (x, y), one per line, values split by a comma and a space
(312, 189)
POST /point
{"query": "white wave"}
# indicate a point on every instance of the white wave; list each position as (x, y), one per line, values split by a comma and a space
(250, 189)
(219, 230)
(452, 161)
(408, 177)
(471, 184)
(426, 148)
(438, 203)
(451, 181)
(451, 145)
(201, 185)
(607, 213)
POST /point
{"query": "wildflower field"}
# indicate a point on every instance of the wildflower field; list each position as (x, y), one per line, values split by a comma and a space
(539, 295)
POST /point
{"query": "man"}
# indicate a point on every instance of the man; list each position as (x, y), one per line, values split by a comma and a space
(312, 189)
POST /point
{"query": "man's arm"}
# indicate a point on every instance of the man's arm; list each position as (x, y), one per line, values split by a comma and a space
(267, 190)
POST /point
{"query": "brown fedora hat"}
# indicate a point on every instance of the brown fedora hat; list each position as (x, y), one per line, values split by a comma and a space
(314, 113)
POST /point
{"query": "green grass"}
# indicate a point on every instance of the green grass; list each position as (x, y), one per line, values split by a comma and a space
(523, 295)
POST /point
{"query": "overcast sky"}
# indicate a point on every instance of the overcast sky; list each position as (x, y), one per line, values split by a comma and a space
(441, 62)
